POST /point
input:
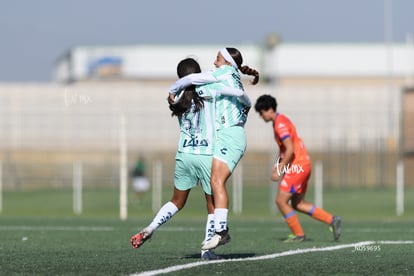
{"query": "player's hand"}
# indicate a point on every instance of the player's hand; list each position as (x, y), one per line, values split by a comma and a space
(276, 173)
(170, 98)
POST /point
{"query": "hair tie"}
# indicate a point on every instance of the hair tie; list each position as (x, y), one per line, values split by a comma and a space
(226, 55)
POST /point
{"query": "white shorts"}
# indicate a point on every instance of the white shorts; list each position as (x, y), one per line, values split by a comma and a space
(141, 184)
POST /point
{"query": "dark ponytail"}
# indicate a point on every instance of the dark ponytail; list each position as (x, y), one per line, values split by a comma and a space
(237, 57)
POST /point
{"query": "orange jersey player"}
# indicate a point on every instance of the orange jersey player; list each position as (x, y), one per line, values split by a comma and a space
(293, 166)
(293, 160)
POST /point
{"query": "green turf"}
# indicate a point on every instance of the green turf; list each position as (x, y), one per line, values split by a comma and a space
(39, 235)
(356, 204)
(101, 247)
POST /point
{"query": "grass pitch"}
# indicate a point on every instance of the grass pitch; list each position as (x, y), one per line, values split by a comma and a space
(40, 238)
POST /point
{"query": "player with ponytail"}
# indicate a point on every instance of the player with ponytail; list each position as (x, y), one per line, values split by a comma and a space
(230, 143)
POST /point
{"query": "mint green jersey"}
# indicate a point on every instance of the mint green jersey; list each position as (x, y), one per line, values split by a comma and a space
(230, 99)
(197, 129)
(229, 109)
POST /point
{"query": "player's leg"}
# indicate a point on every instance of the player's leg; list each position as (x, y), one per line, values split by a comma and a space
(311, 209)
(299, 203)
(229, 149)
(319, 214)
(184, 179)
(210, 218)
(298, 199)
(219, 175)
(209, 254)
(290, 216)
(167, 211)
(204, 164)
(203, 173)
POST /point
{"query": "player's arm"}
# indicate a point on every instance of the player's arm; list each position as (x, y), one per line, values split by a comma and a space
(283, 163)
(192, 79)
(244, 99)
(231, 91)
(288, 154)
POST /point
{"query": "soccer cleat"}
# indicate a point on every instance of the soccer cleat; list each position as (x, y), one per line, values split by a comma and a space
(209, 255)
(292, 238)
(335, 227)
(219, 238)
(139, 239)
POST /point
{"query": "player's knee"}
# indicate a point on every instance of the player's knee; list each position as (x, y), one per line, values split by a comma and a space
(216, 183)
(280, 202)
(300, 206)
(296, 206)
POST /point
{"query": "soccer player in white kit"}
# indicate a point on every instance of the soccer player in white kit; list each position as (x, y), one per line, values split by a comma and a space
(194, 154)
(230, 143)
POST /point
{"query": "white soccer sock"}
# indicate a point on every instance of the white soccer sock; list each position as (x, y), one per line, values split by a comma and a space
(220, 219)
(209, 227)
(166, 212)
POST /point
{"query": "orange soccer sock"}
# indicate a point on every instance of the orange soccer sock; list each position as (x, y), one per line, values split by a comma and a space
(321, 215)
(294, 224)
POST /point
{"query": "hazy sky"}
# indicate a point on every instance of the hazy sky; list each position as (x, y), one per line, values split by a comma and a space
(35, 33)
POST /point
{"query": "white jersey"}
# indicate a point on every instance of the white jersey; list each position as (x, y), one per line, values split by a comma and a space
(231, 100)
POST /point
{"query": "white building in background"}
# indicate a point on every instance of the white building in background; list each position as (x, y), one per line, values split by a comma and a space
(287, 61)
(340, 96)
(349, 92)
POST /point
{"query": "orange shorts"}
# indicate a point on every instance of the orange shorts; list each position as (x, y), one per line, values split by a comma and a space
(296, 181)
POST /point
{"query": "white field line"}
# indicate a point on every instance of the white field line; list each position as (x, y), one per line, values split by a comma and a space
(282, 229)
(194, 229)
(266, 257)
(166, 229)
(376, 230)
(56, 228)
